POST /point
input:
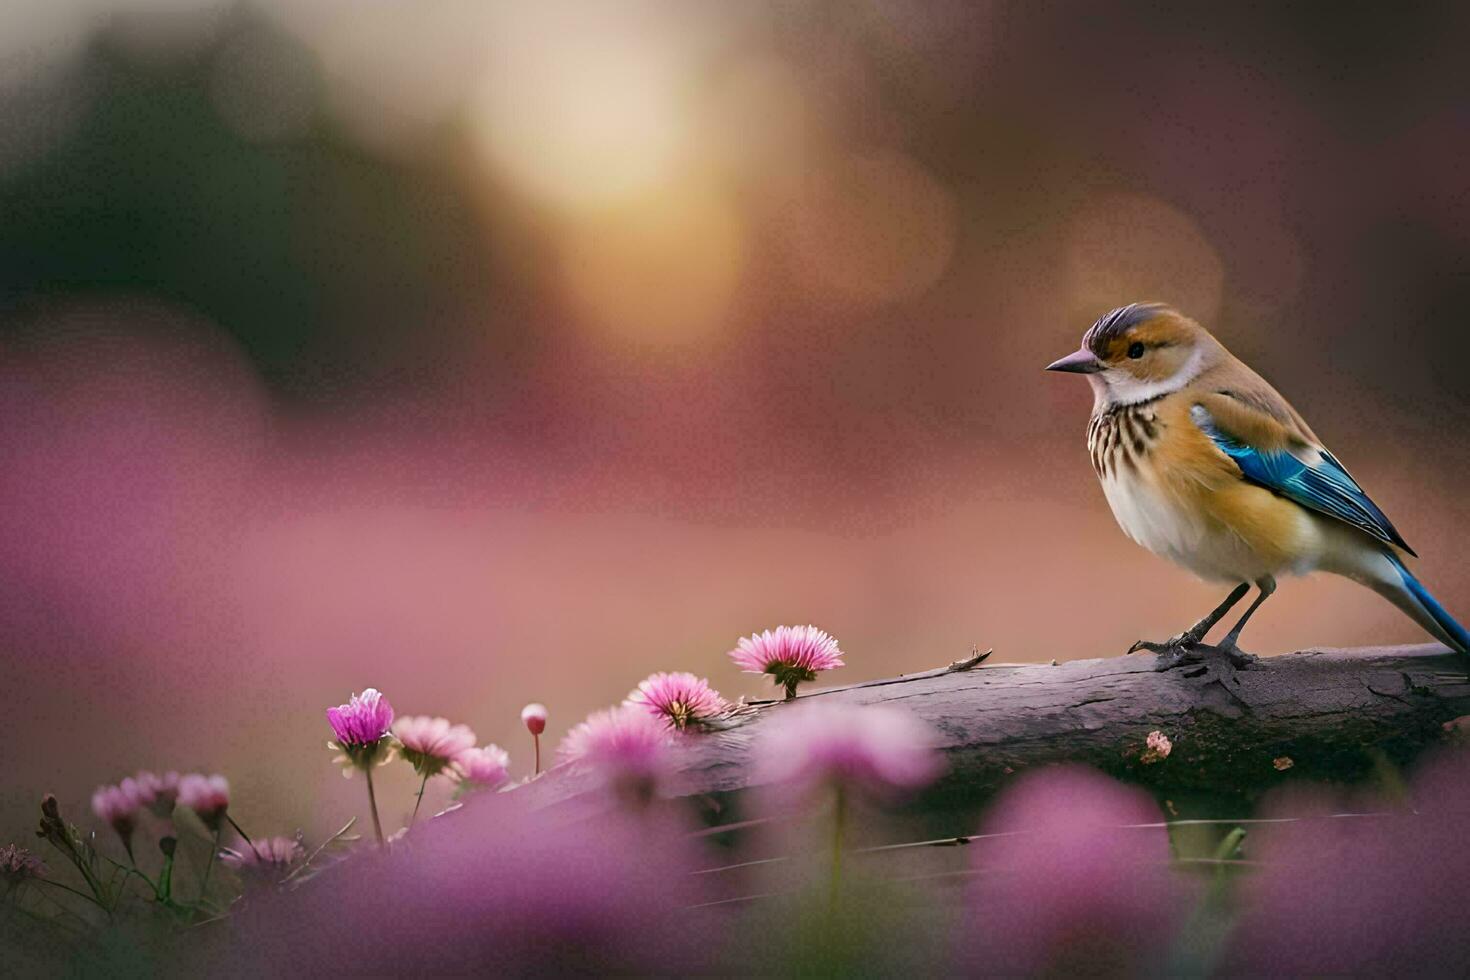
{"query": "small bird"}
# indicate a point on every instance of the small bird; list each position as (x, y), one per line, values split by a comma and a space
(1206, 464)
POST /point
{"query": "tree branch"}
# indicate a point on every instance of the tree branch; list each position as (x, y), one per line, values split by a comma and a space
(1322, 714)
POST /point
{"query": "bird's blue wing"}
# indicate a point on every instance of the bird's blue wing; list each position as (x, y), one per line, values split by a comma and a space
(1318, 481)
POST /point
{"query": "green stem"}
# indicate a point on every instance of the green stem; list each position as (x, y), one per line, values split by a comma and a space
(319, 848)
(166, 878)
(373, 806)
(147, 880)
(209, 866)
(839, 832)
(66, 888)
(420, 801)
(73, 855)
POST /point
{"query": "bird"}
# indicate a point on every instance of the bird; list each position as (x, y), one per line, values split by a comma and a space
(1205, 464)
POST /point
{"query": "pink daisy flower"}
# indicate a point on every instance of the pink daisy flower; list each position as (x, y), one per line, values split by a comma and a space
(208, 796)
(679, 700)
(362, 728)
(880, 751)
(431, 744)
(117, 807)
(792, 655)
(157, 793)
(267, 858)
(626, 744)
(485, 767)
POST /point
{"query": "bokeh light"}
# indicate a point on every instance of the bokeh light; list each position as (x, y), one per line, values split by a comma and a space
(584, 106)
(1135, 245)
(872, 229)
(658, 271)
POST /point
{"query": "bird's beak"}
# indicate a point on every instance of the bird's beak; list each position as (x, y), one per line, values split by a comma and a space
(1077, 362)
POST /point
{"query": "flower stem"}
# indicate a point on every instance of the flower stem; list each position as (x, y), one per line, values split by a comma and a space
(420, 801)
(243, 835)
(536, 740)
(209, 865)
(64, 887)
(373, 806)
(135, 870)
(166, 877)
(839, 832)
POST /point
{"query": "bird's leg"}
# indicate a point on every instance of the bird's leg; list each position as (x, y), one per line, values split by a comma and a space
(1237, 656)
(1178, 647)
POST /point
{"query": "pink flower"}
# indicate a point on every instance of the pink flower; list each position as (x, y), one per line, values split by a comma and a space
(1157, 748)
(118, 807)
(157, 793)
(431, 743)
(363, 720)
(208, 796)
(792, 655)
(1337, 895)
(533, 716)
(679, 701)
(485, 767)
(267, 858)
(17, 864)
(625, 745)
(362, 727)
(1074, 880)
(880, 751)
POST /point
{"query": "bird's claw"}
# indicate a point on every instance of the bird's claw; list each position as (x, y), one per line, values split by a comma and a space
(1183, 651)
(1178, 645)
(1172, 654)
(1239, 659)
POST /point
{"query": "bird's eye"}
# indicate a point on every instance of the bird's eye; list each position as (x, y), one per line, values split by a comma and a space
(1135, 350)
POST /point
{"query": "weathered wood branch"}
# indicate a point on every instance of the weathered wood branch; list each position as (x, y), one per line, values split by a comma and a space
(1321, 714)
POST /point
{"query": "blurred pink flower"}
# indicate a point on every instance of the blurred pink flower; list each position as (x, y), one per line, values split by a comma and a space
(208, 796)
(624, 744)
(533, 716)
(157, 793)
(117, 807)
(496, 890)
(267, 858)
(431, 744)
(17, 864)
(1070, 883)
(679, 700)
(362, 727)
(792, 655)
(484, 767)
(1381, 894)
(877, 750)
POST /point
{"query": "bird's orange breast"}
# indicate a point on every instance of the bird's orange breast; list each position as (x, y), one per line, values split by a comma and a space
(1154, 453)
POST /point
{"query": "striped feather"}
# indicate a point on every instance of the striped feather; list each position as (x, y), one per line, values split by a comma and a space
(1122, 437)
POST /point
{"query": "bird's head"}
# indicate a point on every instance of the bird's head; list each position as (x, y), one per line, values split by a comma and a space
(1139, 352)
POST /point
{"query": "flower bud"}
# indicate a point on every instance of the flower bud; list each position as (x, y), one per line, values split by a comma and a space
(533, 716)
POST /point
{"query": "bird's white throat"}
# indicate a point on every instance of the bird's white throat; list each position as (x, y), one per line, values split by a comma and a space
(1114, 387)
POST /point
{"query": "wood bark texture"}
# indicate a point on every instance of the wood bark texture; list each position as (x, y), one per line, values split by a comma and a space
(1329, 715)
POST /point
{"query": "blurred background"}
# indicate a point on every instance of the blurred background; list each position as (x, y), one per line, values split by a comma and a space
(488, 353)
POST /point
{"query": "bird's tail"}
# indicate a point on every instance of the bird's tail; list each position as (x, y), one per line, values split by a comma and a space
(1383, 571)
(1413, 598)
